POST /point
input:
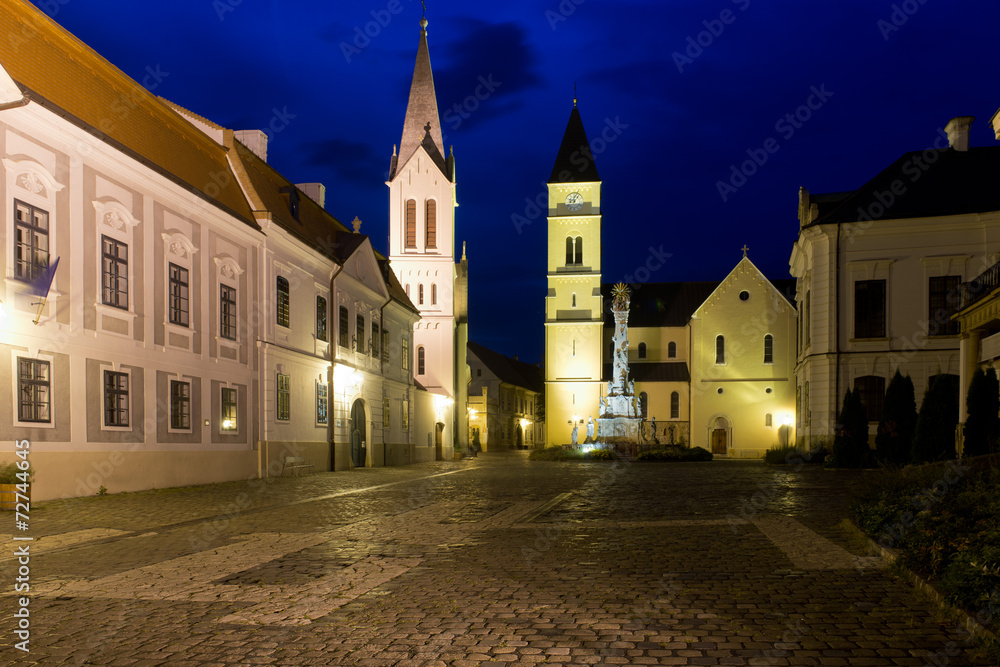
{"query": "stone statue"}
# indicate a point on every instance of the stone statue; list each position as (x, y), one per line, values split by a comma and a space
(653, 429)
(574, 436)
(590, 431)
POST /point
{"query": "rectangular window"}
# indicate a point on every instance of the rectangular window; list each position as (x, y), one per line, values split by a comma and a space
(944, 297)
(807, 320)
(230, 420)
(385, 345)
(386, 412)
(872, 389)
(768, 349)
(406, 353)
(179, 288)
(320, 318)
(115, 398)
(227, 312)
(114, 271)
(321, 403)
(180, 405)
(869, 309)
(376, 340)
(345, 335)
(284, 306)
(404, 422)
(284, 398)
(34, 388)
(359, 334)
(411, 223)
(31, 241)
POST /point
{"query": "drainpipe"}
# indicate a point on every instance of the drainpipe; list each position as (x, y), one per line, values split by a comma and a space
(331, 421)
(836, 333)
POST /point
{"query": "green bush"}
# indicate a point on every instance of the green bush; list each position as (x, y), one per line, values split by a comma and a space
(894, 440)
(794, 455)
(850, 445)
(934, 439)
(600, 455)
(982, 426)
(555, 454)
(9, 473)
(675, 454)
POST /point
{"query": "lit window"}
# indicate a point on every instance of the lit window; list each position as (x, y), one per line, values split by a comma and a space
(359, 334)
(386, 412)
(179, 295)
(180, 405)
(320, 318)
(115, 398)
(31, 241)
(284, 304)
(114, 272)
(344, 334)
(405, 415)
(321, 403)
(34, 391)
(284, 396)
(227, 320)
(230, 421)
(406, 354)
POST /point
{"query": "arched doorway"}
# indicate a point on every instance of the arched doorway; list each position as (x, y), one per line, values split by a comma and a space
(719, 436)
(359, 436)
(439, 441)
(520, 437)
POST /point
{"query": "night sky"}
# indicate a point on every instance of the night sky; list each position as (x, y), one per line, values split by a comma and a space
(681, 91)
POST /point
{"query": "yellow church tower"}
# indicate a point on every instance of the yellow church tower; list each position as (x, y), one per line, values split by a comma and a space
(574, 313)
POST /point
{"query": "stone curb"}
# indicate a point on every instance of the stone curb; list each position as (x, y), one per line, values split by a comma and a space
(973, 627)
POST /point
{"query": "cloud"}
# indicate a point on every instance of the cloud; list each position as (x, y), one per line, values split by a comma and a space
(350, 160)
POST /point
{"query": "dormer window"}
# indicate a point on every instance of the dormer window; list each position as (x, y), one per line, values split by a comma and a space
(293, 200)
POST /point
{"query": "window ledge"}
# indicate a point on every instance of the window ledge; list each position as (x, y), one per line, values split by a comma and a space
(882, 339)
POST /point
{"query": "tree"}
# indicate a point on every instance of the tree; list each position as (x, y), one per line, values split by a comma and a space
(982, 426)
(934, 439)
(894, 440)
(850, 444)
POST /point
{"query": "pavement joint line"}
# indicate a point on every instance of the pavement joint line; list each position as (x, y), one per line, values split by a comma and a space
(249, 511)
(544, 509)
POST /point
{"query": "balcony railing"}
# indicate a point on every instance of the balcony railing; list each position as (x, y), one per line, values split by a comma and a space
(980, 287)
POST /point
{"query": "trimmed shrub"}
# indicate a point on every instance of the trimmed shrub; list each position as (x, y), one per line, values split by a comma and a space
(982, 426)
(555, 454)
(799, 454)
(850, 445)
(934, 439)
(894, 440)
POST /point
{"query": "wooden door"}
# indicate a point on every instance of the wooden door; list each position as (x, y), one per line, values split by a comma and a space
(719, 441)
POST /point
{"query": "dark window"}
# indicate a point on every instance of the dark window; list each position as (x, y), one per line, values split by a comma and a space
(344, 334)
(434, 294)
(230, 420)
(180, 405)
(420, 360)
(768, 420)
(643, 404)
(944, 296)
(385, 344)
(34, 385)
(807, 320)
(578, 259)
(411, 223)
(320, 318)
(376, 341)
(671, 350)
(114, 262)
(284, 396)
(574, 250)
(359, 334)
(675, 405)
(720, 349)
(642, 350)
(321, 403)
(872, 390)
(115, 398)
(293, 203)
(768, 349)
(420, 294)
(869, 309)
(31, 241)
(284, 304)
(431, 222)
(569, 250)
(179, 290)
(227, 321)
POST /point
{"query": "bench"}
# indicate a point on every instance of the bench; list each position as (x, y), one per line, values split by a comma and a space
(295, 463)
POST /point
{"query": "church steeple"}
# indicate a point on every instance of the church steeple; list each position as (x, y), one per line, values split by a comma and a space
(574, 163)
(422, 125)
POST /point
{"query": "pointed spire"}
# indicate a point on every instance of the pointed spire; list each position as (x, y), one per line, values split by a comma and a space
(574, 94)
(422, 123)
(574, 163)
(463, 251)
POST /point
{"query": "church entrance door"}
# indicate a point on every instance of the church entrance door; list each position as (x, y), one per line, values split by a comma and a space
(719, 441)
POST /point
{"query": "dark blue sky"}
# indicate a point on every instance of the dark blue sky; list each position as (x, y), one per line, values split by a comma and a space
(685, 90)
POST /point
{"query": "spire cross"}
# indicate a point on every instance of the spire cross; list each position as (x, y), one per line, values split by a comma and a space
(745, 248)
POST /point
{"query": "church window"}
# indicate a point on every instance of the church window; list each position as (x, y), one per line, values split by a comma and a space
(434, 294)
(344, 335)
(642, 350)
(420, 294)
(806, 321)
(407, 290)
(569, 250)
(574, 299)
(768, 420)
(578, 259)
(720, 349)
(574, 347)
(421, 357)
(869, 309)
(574, 251)
(675, 405)
(411, 223)
(320, 318)
(359, 334)
(643, 404)
(872, 390)
(671, 350)
(405, 356)
(431, 224)
(768, 349)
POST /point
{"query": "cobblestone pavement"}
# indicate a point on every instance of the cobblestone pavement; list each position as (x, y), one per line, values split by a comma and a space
(495, 560)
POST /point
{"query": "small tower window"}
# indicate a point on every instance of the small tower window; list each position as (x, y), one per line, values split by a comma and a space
(642, 350)
(574, 251)
(720, 349)
(578, 259)
(672, 350)
(411, 223)
(434, 294)
(420, 294)
(675, 405)
(574, 299)
(768, 349)
(421, 358)
(431, 224)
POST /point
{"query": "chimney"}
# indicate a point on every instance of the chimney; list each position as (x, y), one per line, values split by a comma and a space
(255, 140)
(315, 191)
(958, 132)
(995, 124)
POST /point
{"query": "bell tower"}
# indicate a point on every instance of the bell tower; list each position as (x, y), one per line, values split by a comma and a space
(574, 311)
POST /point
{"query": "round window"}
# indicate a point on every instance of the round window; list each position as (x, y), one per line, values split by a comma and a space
(744, 295)
(768, 390)
(720, 390)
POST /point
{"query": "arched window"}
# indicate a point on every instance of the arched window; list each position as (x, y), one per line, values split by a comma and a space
(720, 349)
(574, 251)
(343, 335)
(574, 299)
(768, 349)
(407, 289)
(411, 223)
(569, 251)
(643, 404)
(431, 224)
(420, 360)
(642, 350)
(579, 250)
(675, 405)
(671, 350)
(434, 294)
(768, 420)
(420, 294)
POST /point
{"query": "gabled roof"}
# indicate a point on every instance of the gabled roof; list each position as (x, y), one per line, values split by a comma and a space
(574, 163)
(660, 304)
(510, 371)
(667, 371)
(951, 183)
(396, 291)
(742, 268)
(422, 124)
(61, 73)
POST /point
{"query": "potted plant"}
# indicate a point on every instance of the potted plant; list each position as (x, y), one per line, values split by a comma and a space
(10, 481)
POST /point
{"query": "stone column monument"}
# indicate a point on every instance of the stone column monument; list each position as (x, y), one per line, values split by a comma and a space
(618, 419)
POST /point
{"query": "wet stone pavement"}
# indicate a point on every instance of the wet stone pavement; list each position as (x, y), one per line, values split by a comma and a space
(492, 561)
